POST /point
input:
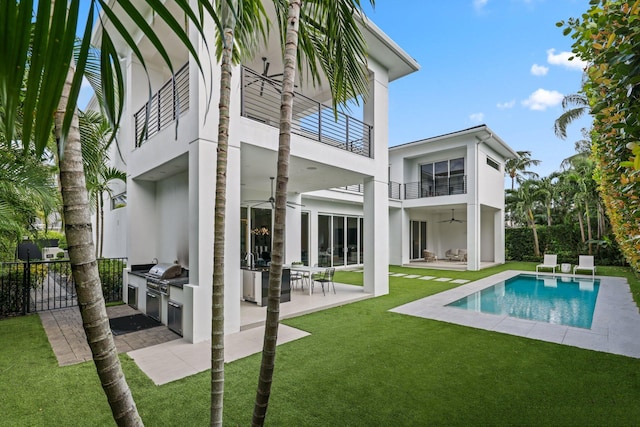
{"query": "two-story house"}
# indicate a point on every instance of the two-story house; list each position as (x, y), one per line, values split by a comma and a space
(166, 209)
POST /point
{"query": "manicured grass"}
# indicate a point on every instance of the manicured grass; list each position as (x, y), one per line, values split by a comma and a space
(361, 366)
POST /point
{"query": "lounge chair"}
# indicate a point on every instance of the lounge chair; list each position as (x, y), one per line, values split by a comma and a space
(550, 261)
(585, 262)
(429, 256)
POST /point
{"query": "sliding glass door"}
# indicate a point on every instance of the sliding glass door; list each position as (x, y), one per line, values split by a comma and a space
(418, 238)
(339, 240)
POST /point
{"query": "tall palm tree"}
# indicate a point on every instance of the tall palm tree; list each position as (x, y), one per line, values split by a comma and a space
(525, 199)
(40, 41)
(575, 106)
(325, 32)
(95, 134)
(247, 18)
(517, 168)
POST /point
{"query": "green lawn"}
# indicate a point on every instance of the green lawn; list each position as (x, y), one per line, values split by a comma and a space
(361, 366)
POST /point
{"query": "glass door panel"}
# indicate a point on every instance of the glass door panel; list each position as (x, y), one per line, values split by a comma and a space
(418, 238)
(338, 241)
(324, 240)
(352, 240)
(304, 238)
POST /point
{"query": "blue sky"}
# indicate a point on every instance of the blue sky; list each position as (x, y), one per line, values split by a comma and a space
(498, 62)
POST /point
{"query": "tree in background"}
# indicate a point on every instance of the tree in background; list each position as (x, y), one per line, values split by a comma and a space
(95, 134)
(607, 36)
(523, 202)
(517, 168)
(574, 106)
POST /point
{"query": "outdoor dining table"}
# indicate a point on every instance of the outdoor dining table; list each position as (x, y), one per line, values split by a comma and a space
(307, 272)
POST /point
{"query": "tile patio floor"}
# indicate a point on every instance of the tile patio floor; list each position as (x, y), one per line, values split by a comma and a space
(164, 356)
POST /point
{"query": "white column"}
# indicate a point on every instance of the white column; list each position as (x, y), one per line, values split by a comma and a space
(293, 226)
(498, 230)
(376, 188)
(473, 209)
(376, 237)
(397, 237)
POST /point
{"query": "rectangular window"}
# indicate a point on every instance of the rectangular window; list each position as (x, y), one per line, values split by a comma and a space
(119, 201)
(443, 178)
(493, 163)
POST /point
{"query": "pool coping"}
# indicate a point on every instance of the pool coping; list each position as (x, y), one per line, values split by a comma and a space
(615, 327)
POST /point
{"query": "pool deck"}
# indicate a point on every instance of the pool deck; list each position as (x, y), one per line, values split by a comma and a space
(615, 327)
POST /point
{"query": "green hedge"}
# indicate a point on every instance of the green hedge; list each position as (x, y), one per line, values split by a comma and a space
(563, 240)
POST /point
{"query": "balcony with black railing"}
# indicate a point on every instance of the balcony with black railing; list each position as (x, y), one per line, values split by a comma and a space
(394, 189)
(438, 186)
(170, 102)
(311, 119)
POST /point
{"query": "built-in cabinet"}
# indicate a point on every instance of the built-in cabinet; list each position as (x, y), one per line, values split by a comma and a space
(255, 286)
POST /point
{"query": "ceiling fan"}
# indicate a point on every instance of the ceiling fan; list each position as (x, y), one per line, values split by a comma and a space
(453, 218)
(272, 200)
(269, 78)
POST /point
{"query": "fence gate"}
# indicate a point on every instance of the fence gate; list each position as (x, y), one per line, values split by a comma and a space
(32, 286)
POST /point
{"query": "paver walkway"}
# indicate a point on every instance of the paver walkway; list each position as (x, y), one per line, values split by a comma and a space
(69, 342)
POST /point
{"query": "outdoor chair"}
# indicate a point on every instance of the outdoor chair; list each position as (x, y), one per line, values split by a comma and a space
(326, 277)
(550, 261)
(585, 262)
(456, 254)
(429, 256)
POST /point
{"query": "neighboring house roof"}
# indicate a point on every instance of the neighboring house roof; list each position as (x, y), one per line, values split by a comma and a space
(491, 139)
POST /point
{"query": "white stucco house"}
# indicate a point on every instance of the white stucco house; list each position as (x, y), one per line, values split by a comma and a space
(355, 201)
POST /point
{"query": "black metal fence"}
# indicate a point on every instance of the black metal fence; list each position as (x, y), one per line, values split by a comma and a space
(32, 286)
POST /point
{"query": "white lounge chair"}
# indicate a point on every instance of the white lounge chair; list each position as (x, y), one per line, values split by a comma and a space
(585, 262)
(550, 261)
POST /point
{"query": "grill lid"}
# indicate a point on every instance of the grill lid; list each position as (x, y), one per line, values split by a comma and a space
(165, 271)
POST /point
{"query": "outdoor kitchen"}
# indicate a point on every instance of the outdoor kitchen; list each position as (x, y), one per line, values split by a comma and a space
(157, 291)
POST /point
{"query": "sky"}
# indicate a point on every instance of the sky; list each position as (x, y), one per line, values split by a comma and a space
(502, 63)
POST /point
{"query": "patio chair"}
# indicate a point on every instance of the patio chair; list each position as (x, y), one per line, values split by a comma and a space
(326, 277)
(550, 261)
(429, 256)
(585, 262)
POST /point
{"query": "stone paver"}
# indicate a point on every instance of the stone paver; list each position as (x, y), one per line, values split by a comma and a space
(443, 279)
(411, 276)
(615, 327)
(460, 281)
(69, 342)
(427, 277)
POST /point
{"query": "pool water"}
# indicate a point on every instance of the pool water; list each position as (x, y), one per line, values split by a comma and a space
(558, 300)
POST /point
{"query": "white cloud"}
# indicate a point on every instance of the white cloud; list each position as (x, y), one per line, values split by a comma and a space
(479, 4)
(542, 98)
(506, 105)
(562, 59)
(476, 117)
(539, 70)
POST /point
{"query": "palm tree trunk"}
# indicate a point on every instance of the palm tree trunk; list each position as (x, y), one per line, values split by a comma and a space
(581, 222)
(97, 226)
(95, 322)
(217, 316)
(101, 204)
(589, 230)
(267, 366)
(536, 244)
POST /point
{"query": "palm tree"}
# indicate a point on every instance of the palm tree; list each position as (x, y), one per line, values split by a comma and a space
(524, 200)
(517, 168)
(325, 32)
(575, 106)
(248, 20)
(95, 133)
(53, 82)
(26, 188)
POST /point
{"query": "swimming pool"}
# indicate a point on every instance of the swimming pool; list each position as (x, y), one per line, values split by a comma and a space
(558, 300)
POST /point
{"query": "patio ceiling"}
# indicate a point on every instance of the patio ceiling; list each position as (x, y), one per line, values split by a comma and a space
(258, 164)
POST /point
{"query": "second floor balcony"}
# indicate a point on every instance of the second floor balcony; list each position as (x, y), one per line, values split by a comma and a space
(437, 186)
(311, 119)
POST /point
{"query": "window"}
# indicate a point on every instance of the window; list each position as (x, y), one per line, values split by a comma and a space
(119, 201)
(493, 163)
(442, 178)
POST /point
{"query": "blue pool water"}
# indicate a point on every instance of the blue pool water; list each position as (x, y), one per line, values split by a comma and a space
(558, 300)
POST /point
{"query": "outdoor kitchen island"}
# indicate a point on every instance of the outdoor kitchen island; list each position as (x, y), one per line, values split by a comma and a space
(157, 291)
(255, 285)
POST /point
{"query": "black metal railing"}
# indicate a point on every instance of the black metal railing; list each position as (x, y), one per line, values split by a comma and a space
(32, 286)
(438, 186)
(165, 105)
(311, 119)
(394, 189)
